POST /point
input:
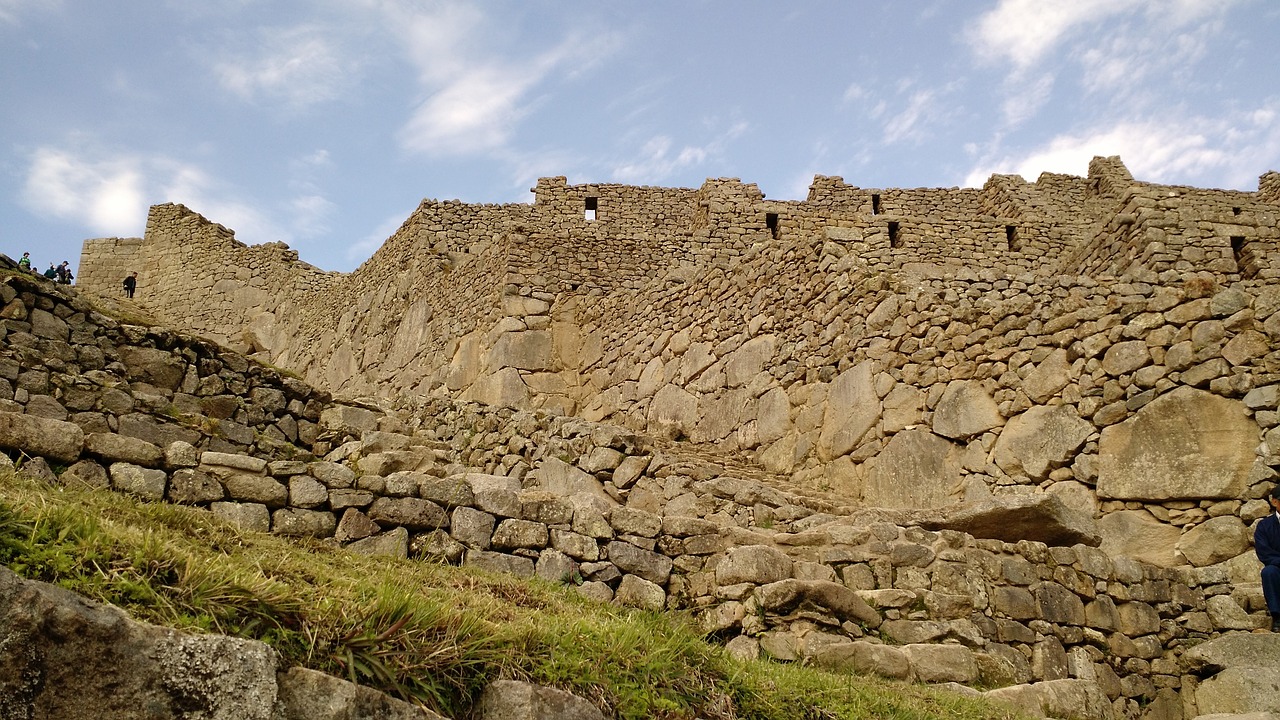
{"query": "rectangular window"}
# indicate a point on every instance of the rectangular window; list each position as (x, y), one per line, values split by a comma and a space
(1011, 237)
(875, 204)
(590, 210)
(894, 239)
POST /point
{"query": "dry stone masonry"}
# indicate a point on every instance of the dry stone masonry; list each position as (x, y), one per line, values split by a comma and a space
(1009, 436)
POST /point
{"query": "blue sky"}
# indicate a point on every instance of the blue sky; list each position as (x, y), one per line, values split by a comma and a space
(323, 123)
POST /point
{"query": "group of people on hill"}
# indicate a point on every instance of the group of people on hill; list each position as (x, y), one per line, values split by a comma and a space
(60, 274)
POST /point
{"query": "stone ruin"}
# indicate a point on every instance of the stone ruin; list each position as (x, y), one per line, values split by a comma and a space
(1009, 436)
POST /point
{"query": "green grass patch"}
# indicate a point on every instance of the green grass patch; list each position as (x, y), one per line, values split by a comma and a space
(431, 634)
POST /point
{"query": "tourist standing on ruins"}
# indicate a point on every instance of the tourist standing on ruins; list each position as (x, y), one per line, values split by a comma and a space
(1266, 542)
(130, 284)
(64, 273)
(25, 263)
(52, 272)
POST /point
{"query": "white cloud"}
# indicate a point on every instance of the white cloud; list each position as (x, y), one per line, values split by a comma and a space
(1020, 106)
(298, 67)
(11, 11)
(106, 196)
(475, 94)
(1188, 150)
(1023, 31)
(109, 194)
(908, 124)
(658, 160)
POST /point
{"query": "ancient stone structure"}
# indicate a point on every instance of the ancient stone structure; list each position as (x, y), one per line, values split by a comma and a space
(1103, 340)
(940, 400)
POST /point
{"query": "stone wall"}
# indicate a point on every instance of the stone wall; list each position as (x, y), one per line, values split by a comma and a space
(911, 372)
(769, 567)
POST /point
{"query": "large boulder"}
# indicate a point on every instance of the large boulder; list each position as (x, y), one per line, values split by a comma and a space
(69, 658)
(852, 409)
(966, 409)
(1138, 535)
(916, 469)
(1043, 518)
(1186, 444)
(1041, 439)
(514, 700)
(41, 437)
(1064, 699)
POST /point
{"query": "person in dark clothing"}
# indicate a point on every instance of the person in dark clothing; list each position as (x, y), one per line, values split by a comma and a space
(51, 273)
(64, 273)
(1266, 543)
(130, 284)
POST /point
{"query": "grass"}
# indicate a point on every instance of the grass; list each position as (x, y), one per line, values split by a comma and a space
(431, 634)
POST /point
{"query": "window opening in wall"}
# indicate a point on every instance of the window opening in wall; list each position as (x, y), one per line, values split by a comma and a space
(1235, 211)
(1011, 237)
(590, 212)
(875, 204)
(771, 222)
(894, 240)
(1246, 263)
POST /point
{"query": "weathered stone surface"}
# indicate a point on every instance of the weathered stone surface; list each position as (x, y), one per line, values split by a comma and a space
(42, 437)
(1066, 699)
(784, 596)
(139, 481)
(355, 525)
(1185, 444)
(393, 543)
(1043, 518)
(852, 408)
(1138, 535)
(495, 494)
(192, 486)
(88, 473)
(1040, 439)
(966, 409)
(1240, 689)
(864, 658)
(500, 562)
(246, 516)
(1049, 377)
(759, 564)
(245, 487)
(512, 700)
(1213, 541)
(303, 523)
(917, 469)
(651, 566)
(513, 534)
(68, 658)
(941, 663)
(636, 591)
(561, 478)
(673, 413)
(120, 448)
(411, 513)
(154, 367)
(307, 694)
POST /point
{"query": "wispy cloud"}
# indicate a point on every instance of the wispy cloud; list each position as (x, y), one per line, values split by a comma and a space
(298, 67)
(1159, 150)
(659, 158)
(1022, 32)
(11, 11)
(476, 95)
(109, 194)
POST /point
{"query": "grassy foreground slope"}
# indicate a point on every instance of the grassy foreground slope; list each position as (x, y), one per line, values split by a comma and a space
(428, 633)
